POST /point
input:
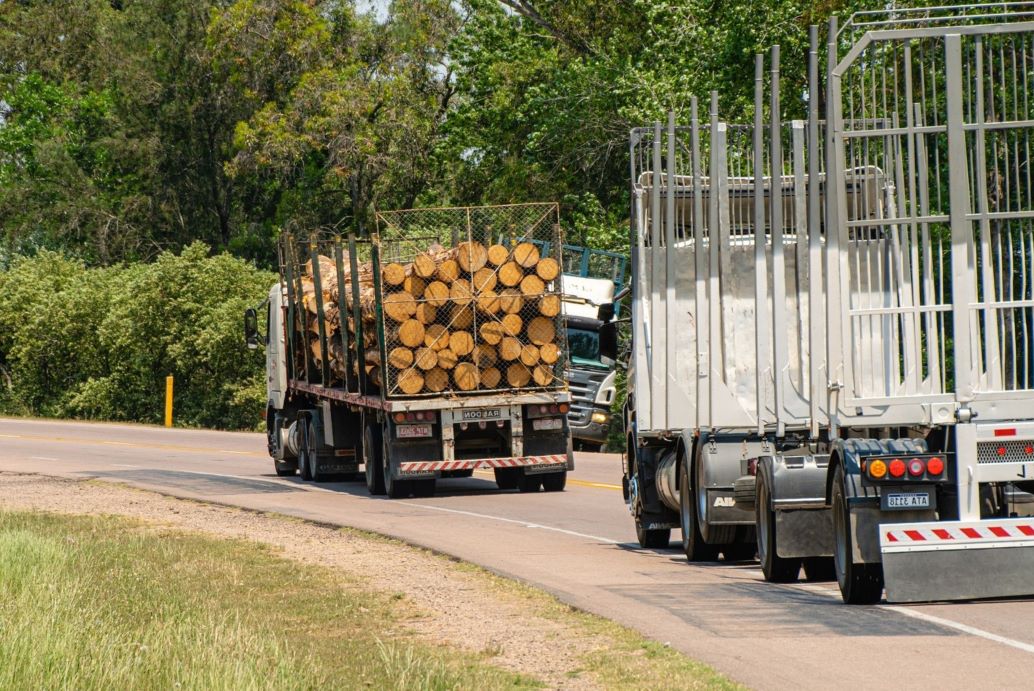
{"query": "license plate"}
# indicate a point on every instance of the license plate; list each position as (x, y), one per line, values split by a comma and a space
(911, 500)
(547, 423)
(412, 431)
(484, 414)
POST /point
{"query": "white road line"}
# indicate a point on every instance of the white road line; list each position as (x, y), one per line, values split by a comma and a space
(243, 453)
(119, 443)
(45, 458)
(11, 436)
(923, 616)
(965, 628)
(526, 524)
(123, 465)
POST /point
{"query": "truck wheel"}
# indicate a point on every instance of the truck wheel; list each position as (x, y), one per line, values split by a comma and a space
(692, 541)
(554, 482)
(775, 568)
(395, 489)
(860, 584)
(372, 460)
(314, 460)
(819, 569)
(506, 478)
(283, 470)
(303, 452)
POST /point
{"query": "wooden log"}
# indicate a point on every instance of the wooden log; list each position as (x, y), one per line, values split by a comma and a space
(549, 305)
(509, 348)
(411, 333)
(399, 306)
(484, 355)
(436, 337)
(488, 302)
(484, 279)
(425, 312)
(497, 255)
(511, 301)
(492, 332)
(532, 286)
(436, 380)
(529, 355)
(414, 285)
(447, 359)
(547, 269)
(460, 292)
(512, 324)
(461, 317)
(399, 358)
(490, 377)
(436, 293)
(393, 274)
(510, 274)
(425, 358)
(410, 381)
(541, 331)
(549, 353)
(543, 375)
(517, 375)
(424, 266)
(466, 376)
(461, 343)
(471, 256)
(448, 271)
(526, 254)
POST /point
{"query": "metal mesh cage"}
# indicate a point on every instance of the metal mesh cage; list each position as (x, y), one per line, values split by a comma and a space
(469, 299)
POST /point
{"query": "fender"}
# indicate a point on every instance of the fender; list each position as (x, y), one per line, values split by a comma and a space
(849, 452)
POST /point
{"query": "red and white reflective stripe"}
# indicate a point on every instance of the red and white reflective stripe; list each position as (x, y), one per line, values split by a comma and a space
(955, 533)
(474, 463)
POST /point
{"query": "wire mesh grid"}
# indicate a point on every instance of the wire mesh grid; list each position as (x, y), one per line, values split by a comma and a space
(470, 299)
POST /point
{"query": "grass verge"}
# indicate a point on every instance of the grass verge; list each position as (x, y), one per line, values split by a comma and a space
(99, 602)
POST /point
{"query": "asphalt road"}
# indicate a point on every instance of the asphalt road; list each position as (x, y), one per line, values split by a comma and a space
(580, 545)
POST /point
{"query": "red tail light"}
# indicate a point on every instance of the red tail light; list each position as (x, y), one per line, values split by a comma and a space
(935, 466)
(916, 467)
(897, 468)
(399, 417)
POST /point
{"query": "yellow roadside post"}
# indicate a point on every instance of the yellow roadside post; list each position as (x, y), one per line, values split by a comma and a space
(168, 401)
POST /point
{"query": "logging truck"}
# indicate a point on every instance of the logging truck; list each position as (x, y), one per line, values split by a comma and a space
(431, 349)
(833, 358)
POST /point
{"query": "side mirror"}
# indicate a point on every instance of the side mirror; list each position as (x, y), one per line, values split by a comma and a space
(605, 313)
(251, 334)
(609, 341)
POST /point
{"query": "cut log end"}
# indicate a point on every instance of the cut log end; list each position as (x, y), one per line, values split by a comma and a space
(466, 376)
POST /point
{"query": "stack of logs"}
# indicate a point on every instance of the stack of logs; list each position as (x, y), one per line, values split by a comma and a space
(462, 318)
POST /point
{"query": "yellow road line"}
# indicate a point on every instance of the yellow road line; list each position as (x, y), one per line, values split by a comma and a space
(196, 449)
(570, 481)
(106, 442)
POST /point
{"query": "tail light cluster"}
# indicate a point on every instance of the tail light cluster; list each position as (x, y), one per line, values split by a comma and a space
(924, 468)
(414, 416)
(547, 410)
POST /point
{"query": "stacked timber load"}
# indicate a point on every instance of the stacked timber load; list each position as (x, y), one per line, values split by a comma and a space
(470, 317)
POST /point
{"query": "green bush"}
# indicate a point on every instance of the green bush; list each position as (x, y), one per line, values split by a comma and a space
(99, 342)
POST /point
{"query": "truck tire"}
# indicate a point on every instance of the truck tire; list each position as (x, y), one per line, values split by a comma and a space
(860, 584)
(303, 451)
(372, 460)
(693, 544)
(314, 459)
(394, 488)
(284, 470)
(775, 568)
(554, 482)
(506, 478)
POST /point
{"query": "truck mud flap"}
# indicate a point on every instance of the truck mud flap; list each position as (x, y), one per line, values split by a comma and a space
(958, 560)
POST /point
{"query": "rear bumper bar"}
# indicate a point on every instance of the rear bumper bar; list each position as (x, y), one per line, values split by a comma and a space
(545, 464)
(958, 560)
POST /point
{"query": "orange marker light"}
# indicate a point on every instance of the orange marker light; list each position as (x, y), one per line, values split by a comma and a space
(877, 469)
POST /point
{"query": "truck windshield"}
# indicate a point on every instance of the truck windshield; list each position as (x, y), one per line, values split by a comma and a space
(585, 347)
